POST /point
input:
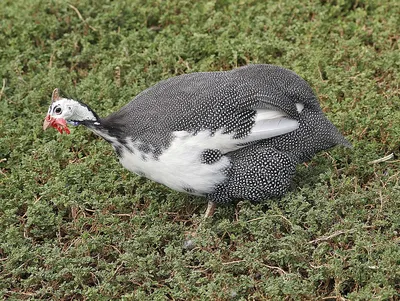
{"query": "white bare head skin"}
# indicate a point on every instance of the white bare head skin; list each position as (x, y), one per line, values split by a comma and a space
(69, 109)
(63, 110)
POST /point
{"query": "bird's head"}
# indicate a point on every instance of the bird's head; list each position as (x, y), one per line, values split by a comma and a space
(65, 110)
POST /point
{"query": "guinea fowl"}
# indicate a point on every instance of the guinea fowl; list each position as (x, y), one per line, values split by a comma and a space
(224, 135)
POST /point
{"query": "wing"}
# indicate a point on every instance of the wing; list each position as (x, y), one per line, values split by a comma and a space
(246, 104)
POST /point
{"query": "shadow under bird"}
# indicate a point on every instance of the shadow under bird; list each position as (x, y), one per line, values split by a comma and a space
(224, 135)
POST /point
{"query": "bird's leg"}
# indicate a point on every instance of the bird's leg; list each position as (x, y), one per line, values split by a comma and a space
(210, 209)
(188, 243)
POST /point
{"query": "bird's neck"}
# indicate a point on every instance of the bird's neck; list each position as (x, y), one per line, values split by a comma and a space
(85, 116)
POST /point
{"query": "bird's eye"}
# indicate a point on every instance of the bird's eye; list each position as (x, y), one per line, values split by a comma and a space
(57, 110)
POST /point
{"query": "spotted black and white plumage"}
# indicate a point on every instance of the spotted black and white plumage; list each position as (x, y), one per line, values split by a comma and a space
(258, 172)
(222, 135)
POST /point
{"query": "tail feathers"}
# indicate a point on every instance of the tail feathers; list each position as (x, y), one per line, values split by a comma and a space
(315, 133)
(340, 140)
(330, 135)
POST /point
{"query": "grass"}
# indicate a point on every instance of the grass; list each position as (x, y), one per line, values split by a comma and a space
(74, 225)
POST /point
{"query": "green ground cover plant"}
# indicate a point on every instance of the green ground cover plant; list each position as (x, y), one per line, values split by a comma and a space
(74, 225)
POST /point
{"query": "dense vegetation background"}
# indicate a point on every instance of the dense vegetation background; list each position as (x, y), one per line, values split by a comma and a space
(74, 225)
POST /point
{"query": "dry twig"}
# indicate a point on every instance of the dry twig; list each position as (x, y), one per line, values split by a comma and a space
(383, 159)
(2, 88)
(337, 233)
(334, 234)
(80, 16)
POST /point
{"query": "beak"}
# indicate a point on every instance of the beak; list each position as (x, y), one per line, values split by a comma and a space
(47, 122)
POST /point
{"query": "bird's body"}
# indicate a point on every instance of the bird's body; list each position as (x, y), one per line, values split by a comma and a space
(222, 135)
